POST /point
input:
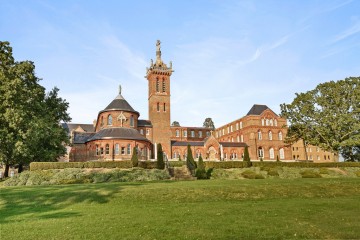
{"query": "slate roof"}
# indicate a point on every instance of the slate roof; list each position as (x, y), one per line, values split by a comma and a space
(81, 137)
(72, 126)
(258, 110)
(119, 103)
(179, 143)
(144, 123)
(118, 133)
(233, 144)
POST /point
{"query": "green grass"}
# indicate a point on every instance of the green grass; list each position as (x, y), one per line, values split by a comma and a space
(213, 209)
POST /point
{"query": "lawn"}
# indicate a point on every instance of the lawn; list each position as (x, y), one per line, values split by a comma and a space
(212, 209)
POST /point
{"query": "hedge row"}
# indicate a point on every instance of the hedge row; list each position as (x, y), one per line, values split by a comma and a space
(61, 165)
(152, 165)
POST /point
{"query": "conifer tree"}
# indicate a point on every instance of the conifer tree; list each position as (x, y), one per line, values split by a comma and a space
(190, 162)
(134, 158)
(160, 164)
(200, 172)
(246, 156)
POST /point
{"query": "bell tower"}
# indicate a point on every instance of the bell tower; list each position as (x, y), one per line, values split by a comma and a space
(158, 76)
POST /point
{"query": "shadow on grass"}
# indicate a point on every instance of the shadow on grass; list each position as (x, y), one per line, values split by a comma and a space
(21, 203)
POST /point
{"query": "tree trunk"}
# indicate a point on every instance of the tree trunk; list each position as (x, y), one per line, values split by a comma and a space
(6, 173)
(20, 169)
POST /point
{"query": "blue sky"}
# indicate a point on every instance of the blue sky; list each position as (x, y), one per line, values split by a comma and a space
(227, 55)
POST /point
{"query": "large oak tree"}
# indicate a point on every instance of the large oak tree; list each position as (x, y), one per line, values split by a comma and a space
(328, 116)
(30, 119)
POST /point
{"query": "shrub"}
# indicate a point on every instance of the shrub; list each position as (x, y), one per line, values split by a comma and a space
(248, 174)
(190, 162)
(200, 172)
(247, 156)
(147, 164)
(63, 165)
(134, 158)
(176, 163)
(308, 173)
(160, 158)
(273, 172)
(324, 170)
(226, 165)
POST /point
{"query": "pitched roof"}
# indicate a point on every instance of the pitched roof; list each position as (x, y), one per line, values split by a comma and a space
(144, 123)
(72, 126)
(118, 133)
(82, 137)
(119, 103)
(180, 143)
(258, 110)
(233, 144)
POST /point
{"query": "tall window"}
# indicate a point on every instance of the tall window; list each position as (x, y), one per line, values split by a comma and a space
(259, 135)
(241, 125)
(164, 107)
(147, 131)
(141, 131)
(280, 136)
(200, 134)
(228, 130)
(158, 107)
(282, 154)
(97, 150)
(231, 128)
(131, 120)
(177, 133)
(192, 133)
(207, 133)
(237, 126)
(157, 85)
(117, 149)
(267, 122)
(242, 138)
(109, 120)
(102, 121)
(163, 85)
(271, 122)
(270, 135)
(122, 150)
(101, 151)
(107, 149)
(129, 149)
(271, 153)
(185, 133)
(261, 152)
(275, 122)
(262, 122)
(238, 138)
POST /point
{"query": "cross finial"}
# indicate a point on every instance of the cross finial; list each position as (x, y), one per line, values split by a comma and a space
(120, 89)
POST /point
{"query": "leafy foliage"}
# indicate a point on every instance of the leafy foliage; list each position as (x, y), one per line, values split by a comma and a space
(208, 123)
(190, 162)
(160, 158)
(30, 127)
(175, 124)
(247, 156)
(134, 158)
(201, 172)
(328, 116)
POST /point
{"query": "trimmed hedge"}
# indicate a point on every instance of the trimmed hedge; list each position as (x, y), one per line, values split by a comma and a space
(226, 165)
(62, 165)
(306, 164)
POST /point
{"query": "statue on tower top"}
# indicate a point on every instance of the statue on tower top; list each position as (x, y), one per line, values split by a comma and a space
(158, 43)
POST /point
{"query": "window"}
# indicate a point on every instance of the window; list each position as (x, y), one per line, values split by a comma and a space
(207, 133)
(157, 85)
(271, 153)
(163, 85)
(175, 155)
(177, 133)
(282, 154)
(102, 121)
(109, 120)
(228, 130)
(131, 120)
(192, 133)
(241, 125)
(267, 122)
(237, 126)
(107, 149)
(275, 122)
(200, 134)
(97, 150)
(262, 122)
(259, 135)
(270, 135)
(318, 158)
(117, 149)
(185, 133)
(280, 136)
(231, 128)
(164, 107)
(158, 107)
(122, 150)
(271, 122)
(223, 131)
(198, 153)
(242, 138)
(101, 151)
(261, 152)
(129, 149)
(232, 139)
(142, 131)
(238, 138)
(147, 131)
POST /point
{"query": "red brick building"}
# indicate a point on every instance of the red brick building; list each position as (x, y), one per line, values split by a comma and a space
(118, 130)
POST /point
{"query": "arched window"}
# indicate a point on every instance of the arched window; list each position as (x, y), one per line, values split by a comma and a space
(280, 136)
(97, 150)
(157, 85)
(261, 152)
(238, 138)
(177, 133)
(117, 149)
(282, 154)
(242, 138)
(267, 122)
(262, 122)
(275, 122)
(164, 107)
(129, 149)
(198, 153)
(259, 135)
(158, 107)
(271, 122)
(271, 153)
(132, 121)
(109, 121)
(270, 135)
(107, 149)
(163, 85)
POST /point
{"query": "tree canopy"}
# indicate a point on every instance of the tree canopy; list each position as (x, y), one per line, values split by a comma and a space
(30, 127)
(328, 116)
(208, 123)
